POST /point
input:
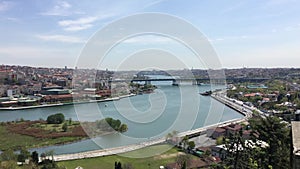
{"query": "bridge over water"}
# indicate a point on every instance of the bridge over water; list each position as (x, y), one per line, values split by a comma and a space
(193, 81)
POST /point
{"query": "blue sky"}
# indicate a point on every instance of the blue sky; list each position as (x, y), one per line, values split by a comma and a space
(245, 33)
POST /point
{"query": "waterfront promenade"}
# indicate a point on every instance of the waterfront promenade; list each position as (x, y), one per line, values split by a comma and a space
(106, 152)
(220, 96)
(64, 104)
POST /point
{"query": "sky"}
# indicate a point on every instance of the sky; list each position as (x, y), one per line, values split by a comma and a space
(53, 33)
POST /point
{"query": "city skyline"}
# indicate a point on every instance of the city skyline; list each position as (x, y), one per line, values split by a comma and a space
(244, 34)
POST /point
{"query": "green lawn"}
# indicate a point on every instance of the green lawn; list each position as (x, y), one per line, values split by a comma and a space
(10, 140)
(56, 127)
(137, 163)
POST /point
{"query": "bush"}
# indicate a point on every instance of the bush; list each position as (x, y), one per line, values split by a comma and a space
(56, 118)
(65, 127)
(110, 123)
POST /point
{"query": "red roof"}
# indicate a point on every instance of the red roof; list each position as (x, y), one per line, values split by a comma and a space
(63, 96)
(246, 132)
(233, 127)
(219, 130)
(250, 95)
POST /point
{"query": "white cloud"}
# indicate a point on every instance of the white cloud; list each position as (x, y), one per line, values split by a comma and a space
(60, 38)
(78, 24)
(61, 8)
(5, 5)
(79, 21)
(78, 27)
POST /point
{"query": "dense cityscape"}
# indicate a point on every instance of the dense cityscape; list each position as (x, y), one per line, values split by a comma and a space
(152, 84)
(263, 96)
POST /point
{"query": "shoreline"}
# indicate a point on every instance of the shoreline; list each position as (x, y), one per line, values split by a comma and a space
(219, 96)
(242, 109)
(65, 104)
(123, 149)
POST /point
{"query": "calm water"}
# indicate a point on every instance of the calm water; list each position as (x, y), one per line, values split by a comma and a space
(148, 116)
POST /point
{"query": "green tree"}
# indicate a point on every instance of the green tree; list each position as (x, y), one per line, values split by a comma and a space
(219, 140)
(49, 164)
(65, 127)
(35, 157)
(185, 141)
(70, 121)
(277, 135)
(56, 118)
(24, 154)
(191, 145)
(123, 128)
(183, 160)
(237, 153)
(183, 165)
(255, 153)
(118, 165)
(115, 124)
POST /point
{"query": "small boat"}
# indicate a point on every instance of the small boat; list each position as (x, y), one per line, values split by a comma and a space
(207, 93)
(105, 105)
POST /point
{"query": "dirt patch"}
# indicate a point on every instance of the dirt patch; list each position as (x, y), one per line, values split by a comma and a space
(164, 156)
(26, 128)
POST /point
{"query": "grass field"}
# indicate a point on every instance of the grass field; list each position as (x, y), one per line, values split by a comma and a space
(56, 127)
(10, 140)
(137, 163)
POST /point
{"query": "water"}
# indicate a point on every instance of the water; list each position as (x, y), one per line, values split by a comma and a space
(148, 116)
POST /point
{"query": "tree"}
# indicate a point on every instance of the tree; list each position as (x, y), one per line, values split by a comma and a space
(185, 141)
(219, 140)
(35, 157)
(118, 165)
(24, 154)
(110, 124)
(171, 136)
(123, 128)
(191, 145)
(65, 127)
(183, 165)
(237, 152)
(49, 164)
(182, 160)
(70, 121)
(56, 118)
(115, 124)
(277, 134)
(255, 153)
